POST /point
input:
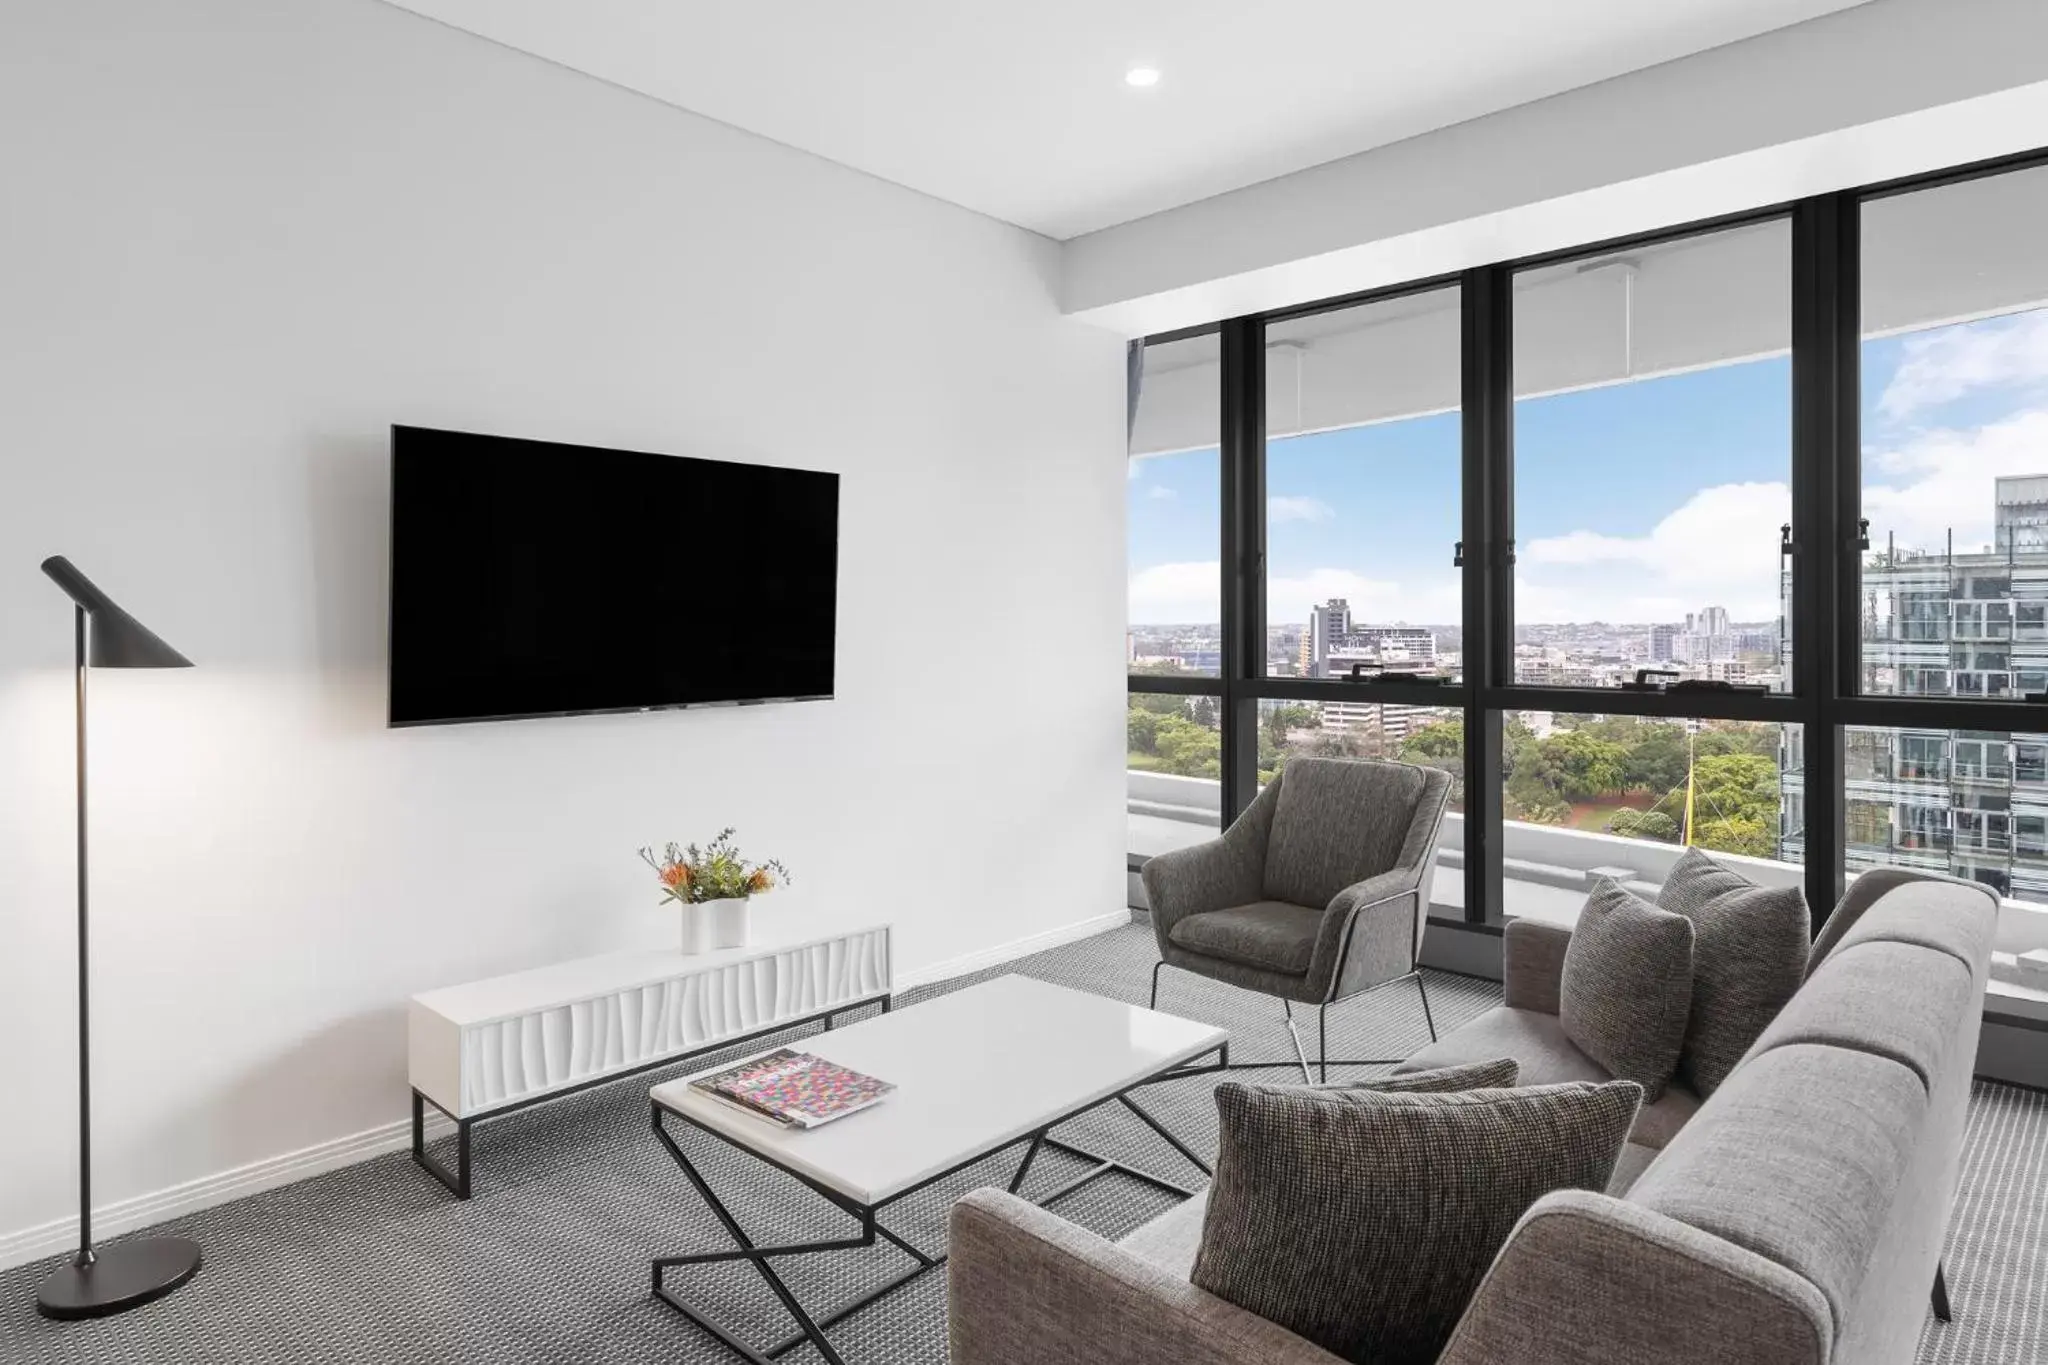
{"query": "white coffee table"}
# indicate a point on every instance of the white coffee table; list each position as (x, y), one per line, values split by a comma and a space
(976, 1071)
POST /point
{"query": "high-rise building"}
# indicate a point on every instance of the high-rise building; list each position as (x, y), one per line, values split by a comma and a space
(1327, 627)
(1663, 644)
(1944, 623)
(1707, 637)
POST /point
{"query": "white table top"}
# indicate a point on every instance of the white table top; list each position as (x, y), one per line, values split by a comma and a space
(974, 1071)
(587, 978)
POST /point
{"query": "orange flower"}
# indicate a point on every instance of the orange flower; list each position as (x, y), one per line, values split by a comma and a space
(760, 881)
(675, 876)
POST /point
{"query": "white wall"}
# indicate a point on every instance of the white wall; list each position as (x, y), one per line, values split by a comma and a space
(240, 239)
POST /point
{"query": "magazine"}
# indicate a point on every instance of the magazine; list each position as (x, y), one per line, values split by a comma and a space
(794, 1089)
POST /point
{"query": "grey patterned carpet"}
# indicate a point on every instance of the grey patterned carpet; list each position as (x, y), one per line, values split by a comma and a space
(547, 1265)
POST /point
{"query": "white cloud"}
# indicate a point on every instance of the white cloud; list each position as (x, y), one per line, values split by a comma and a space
(1159, 492)
(1917, 491)
(1948, 363)
(1177, 594)
(1416, 600)
(1719, 548)
(1279, 509)
(1188, 593)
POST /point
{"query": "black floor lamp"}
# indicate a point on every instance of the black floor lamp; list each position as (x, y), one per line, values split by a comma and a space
(95, 1282)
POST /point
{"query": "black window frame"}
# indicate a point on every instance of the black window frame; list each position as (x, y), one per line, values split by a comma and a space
(1823, 697)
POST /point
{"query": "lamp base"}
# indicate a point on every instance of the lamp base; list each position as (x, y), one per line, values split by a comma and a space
(119, 1277)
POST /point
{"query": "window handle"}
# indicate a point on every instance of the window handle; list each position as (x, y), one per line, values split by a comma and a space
(1787, 545)
(1862, 533)
(1458, 555)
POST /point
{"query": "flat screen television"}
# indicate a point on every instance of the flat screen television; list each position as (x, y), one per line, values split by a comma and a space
(536, 579)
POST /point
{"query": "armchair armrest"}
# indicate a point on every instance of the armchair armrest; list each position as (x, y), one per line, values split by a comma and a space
(1532, 964)
(1368, 934)
(1026, 1287)
(1226, 871)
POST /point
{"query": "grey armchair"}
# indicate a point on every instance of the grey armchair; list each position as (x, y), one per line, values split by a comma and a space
(1317, 893)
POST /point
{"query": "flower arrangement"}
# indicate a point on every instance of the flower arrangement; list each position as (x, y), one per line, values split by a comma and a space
(691, 875)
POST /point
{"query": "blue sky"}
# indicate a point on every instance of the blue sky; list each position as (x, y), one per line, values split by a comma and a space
(1633, 502)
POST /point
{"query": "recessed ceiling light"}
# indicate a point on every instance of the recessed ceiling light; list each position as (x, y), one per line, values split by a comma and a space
(1142, 76)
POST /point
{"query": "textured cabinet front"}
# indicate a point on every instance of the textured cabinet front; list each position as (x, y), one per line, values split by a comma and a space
(553, 1046)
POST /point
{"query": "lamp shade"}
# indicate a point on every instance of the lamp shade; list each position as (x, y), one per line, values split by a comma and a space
(118, 640)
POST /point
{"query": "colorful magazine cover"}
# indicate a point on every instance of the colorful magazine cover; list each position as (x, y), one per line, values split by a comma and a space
(795, 1089)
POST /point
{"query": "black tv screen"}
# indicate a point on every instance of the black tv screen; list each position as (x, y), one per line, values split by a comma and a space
(536, 579)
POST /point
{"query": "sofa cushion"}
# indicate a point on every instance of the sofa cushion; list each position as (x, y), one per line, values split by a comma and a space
(1626, 991)
(1798, 1158)
(1269, 934)
(1628, 1168)
(1496, 1073)
(1169, 1241)
(1932, 915)
(1536, 1041)
(1337, 822)
(1363, 1220)
(1660, 1122)
(1749, 955)
(1896, 1000)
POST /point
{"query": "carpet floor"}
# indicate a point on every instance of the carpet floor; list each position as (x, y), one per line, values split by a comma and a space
(548, 1263)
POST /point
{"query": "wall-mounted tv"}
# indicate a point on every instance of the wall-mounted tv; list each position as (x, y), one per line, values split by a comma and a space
(536, 579)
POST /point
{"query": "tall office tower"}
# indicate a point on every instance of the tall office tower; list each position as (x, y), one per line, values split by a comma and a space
(1663, 643)
(1327, 627)
(1947, 623)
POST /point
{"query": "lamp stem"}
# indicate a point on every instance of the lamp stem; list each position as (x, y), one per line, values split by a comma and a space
(85, 1254)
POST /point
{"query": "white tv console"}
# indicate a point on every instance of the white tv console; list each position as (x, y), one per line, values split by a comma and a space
(484, 1049)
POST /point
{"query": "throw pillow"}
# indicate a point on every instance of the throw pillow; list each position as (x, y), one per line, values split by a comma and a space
(1626, 991)
(1363, 1221)
(1495, 1075)
(1748, 957)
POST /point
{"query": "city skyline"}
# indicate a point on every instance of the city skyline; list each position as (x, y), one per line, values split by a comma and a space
(1364, 513)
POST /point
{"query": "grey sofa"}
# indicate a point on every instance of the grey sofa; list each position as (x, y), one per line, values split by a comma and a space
(1794, 1218)
(1318, 892)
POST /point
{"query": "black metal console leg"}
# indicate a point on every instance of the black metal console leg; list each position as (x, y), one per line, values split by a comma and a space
(456, 1181)
(1941, 1309)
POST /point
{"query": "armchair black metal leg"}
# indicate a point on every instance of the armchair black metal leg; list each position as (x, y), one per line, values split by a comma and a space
(1323, 1043)
(1423, 986)
(1941, 1309)
(1154, 1003)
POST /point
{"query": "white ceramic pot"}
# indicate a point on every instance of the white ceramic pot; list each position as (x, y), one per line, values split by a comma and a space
(697, 927)
(728, 921)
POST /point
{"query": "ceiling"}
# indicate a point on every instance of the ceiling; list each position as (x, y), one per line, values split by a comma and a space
(1021, 110)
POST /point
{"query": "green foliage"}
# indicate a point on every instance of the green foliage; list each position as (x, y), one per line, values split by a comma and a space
(1442, 739)
(1644, 824)
(1143, 729)
(1205, 712)
(690, 874)
(1159, 703)
(1188, 749)
(1290, 716)
(1580, 766)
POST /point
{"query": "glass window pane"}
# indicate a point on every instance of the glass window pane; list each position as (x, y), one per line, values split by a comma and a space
(1955, 440)
(1363, 503)
(1653, 459)
(1433, 736)
(1969, 803)
(1175, 757)
(1176, 511)
(1622, 796)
